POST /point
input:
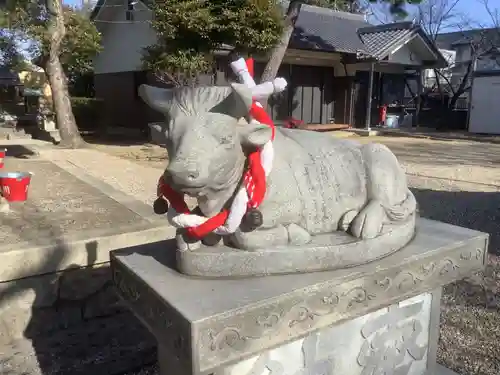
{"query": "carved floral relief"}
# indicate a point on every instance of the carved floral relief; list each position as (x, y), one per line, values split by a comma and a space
(390, 341)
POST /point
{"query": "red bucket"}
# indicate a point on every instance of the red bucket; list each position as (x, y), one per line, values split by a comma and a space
(2, 156)
(14, 185)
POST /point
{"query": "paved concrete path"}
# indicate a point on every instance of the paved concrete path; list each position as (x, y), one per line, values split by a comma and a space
(131, 178)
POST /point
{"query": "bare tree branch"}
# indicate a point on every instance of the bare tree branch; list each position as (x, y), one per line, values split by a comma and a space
(438, 16)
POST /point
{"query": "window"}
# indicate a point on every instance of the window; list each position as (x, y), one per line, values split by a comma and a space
(129, 15)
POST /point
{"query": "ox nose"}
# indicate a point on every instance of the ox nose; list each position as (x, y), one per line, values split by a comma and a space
(182, 173)
(192, 175)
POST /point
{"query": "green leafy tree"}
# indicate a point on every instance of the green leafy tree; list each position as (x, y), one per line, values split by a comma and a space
(62, 42)
(10, 57)
(397, 7)
(189, 31)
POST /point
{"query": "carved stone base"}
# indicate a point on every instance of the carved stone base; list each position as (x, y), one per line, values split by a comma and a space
(396, 340)
(392, 340)
(325, 252)
(371, 319)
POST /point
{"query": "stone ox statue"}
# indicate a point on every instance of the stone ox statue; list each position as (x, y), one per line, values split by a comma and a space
(329, 203)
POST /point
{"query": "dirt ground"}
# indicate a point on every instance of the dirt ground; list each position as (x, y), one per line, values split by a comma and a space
(456, 181)
(146, 154)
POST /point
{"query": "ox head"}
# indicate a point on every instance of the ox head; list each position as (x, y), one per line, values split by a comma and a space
(206, 135)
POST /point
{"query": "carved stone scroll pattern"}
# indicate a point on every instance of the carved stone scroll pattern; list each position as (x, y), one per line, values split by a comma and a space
(293, 317)
(153, 312)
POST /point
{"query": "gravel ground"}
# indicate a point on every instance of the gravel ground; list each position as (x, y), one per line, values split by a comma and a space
(470, 334)
(454, 181)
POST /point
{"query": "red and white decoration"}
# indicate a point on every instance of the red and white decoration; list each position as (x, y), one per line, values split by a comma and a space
(2, 157)
(251, 194)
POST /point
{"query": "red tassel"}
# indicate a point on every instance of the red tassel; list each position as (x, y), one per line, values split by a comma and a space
(258, 178)
(250, 68)
(208, 226)
(261, 116)
(176, 199)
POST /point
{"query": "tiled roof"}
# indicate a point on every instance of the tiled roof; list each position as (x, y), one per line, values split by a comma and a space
(449, 40)
(328, 30)
(379, 40)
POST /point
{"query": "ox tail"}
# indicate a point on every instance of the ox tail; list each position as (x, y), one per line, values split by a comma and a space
(402, 210)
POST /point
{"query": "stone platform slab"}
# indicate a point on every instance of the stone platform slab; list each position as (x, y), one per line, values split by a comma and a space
(54, 247)
(59, 204)
(208, 325)
(67, 220)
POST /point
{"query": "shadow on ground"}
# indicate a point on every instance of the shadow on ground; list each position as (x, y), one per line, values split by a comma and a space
(137, 138)
(77, 323)
(475, 210)
(469, 333)
(19, 151)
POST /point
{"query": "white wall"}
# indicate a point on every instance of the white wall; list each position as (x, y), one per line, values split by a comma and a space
(485, 111)
(123, 41)
(405, 55)
(463, 52)
(430, 75)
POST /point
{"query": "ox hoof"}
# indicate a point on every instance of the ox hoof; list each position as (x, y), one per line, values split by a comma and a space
(368, 223)
(347, 219)
(297, 235)
(184, 242)
(211, 239)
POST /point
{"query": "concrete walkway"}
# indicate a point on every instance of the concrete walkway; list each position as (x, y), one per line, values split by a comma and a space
(126, 176)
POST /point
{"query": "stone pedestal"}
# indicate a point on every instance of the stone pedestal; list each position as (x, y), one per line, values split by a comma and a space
(378, 318)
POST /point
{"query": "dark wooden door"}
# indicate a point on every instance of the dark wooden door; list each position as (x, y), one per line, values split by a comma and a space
(311, 93)
(360, 98)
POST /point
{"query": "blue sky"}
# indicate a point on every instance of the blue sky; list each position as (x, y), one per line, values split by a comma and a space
(473, 9)
(72, 2)
(476, 11)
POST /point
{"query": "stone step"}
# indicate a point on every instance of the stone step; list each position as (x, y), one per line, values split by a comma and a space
(12, 133)
(17, 136)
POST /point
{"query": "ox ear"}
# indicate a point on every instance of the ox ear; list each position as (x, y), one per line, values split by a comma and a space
(254, 134)
(237, 104)
(159, 133)
(157, 98)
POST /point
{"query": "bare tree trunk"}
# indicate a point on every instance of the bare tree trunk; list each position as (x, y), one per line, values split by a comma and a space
(70, 136)
(464, 85)
(278, 52)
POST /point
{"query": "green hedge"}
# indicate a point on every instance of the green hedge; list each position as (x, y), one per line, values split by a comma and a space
(87, 112)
